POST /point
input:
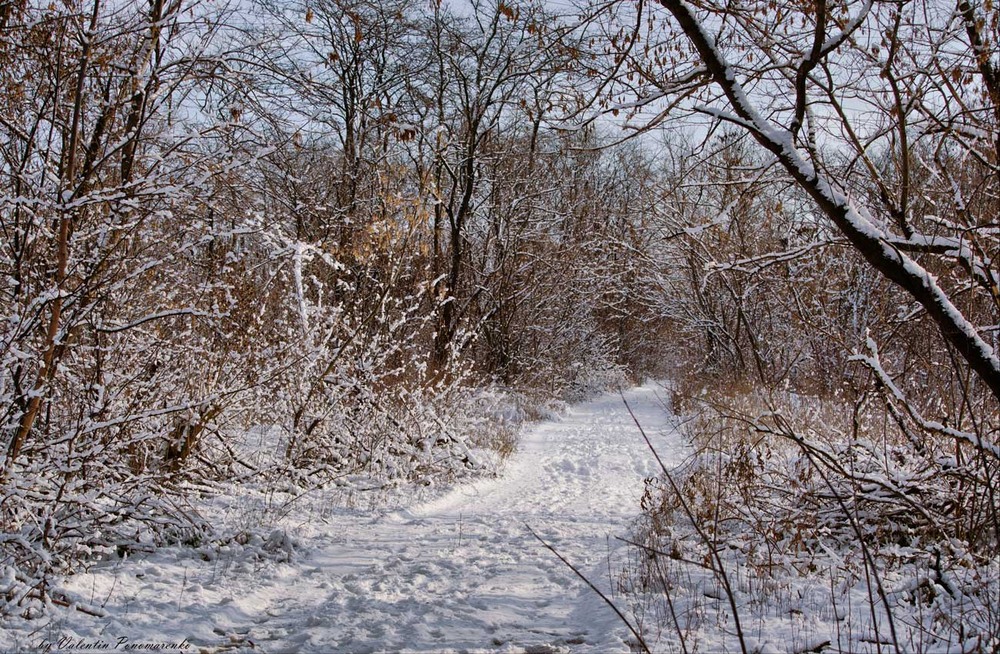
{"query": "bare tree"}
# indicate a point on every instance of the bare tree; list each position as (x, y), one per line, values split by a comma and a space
(111, 276)
(484, 72)
(898, 93)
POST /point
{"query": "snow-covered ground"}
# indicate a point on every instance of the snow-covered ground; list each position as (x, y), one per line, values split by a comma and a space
(459, 572)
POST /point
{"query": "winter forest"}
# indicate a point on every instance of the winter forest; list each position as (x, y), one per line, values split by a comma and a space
(275, 272)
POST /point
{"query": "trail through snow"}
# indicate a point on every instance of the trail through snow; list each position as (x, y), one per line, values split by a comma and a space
(458, 573)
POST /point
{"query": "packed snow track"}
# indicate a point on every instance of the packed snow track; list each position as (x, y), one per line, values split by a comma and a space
(461, 572)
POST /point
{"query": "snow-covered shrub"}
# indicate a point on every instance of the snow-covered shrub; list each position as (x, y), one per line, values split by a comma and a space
(796, 504)
(418, 433)
(597, 371)
(845, 450)
(55, 520)
(359, 397)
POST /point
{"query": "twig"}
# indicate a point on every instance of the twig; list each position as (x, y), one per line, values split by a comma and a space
(719, 566)
(621, 616)
(659, 555)
(60, 599)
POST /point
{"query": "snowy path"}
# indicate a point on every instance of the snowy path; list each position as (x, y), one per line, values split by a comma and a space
(459, 573)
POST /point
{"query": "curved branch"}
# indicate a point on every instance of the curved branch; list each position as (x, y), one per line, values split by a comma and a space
(870, 240)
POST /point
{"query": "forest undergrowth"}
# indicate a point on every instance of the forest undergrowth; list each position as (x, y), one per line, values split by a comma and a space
(812, 524)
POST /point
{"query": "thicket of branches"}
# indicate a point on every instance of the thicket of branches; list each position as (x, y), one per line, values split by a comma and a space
(833, 274)
(332, 222)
